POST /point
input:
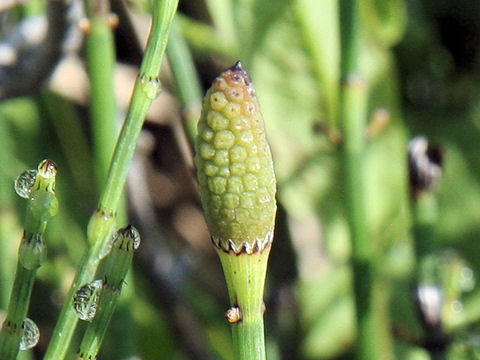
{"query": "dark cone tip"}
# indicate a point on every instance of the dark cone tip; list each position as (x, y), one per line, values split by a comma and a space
(237, 67)
(239, 74)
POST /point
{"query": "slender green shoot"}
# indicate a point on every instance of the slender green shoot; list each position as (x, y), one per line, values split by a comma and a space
(353, 114)
(100, 51)
(102, 222)
(205, 39)
(38, 186)
(101, 62)
(116, 266)
(245, 275)
(222, 14)
(316, 20)
(186, 79)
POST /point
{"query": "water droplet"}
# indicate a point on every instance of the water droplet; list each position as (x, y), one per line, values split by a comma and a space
(456, 306)
(107, 247)
(30, 334)
(86, 298)
(24, 183)
(150, 86)
(467, 279)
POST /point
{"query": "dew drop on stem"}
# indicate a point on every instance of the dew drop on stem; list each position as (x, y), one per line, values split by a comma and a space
(24, 183)
(150, 86)
(30, 334)
(467, 279)
(107, 247)
(456, 306)
(86, 298)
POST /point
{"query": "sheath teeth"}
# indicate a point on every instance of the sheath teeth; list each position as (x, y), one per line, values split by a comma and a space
(245, 247)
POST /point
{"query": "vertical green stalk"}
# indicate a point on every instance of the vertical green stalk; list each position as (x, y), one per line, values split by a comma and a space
(353, 109)
(425, 216)
(318, 18)
(101, 66)
(222, 14)
(101, 61)
(117, 264)
(186, 78)
(39, 188)
(245, 275)
(102, 221)
(237, 189)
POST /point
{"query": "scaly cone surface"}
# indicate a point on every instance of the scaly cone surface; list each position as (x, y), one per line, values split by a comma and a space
(234, 162)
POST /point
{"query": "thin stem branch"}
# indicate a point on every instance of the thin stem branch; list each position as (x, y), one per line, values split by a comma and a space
(222, 13)
(245, 275)
(316, 19)
(353, 111)
(204, 39)
(17, 311)
(102, 221)
(186, 79)
(101, 66)
(117, 263)
(42, 205)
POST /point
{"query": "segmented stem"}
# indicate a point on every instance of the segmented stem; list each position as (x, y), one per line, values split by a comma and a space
(186, 79)
(100, 53)
(102, 221)
(353, 114)
(117, 264)
(42, 205)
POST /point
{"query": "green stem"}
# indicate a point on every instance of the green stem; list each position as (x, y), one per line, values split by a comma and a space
(186, 79)
(63, 116)
(221, 13)
(102, 221)
(147, 88)
(425, 215)
(204, 39)
(95, 333)
(316, 20)
(17, 311)
(42, 205)
(101, 66)
(353, 111)
(116, 267)
(245, 275)
(101, 59)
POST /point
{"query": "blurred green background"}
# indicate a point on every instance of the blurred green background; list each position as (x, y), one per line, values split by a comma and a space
(421, 61)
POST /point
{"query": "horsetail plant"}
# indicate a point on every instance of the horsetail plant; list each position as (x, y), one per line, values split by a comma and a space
(352, 116)
(103, 220)
(107, 291)
(100, 52)
(186, 78)
(38, 187)
(237, 190)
